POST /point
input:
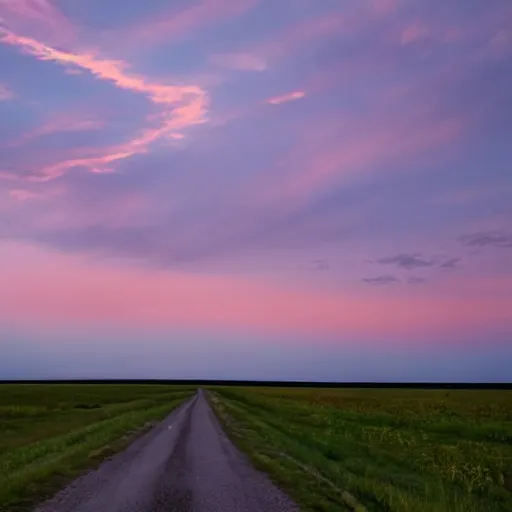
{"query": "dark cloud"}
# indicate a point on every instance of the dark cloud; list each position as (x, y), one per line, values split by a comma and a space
(321, 265)
(450, 264)
(407, 261)
(192, 233)
(497, 239)
(380, 280)
(410, 261)
(416, 280)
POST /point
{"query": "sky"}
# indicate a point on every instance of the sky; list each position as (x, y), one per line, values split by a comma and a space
(252, 189)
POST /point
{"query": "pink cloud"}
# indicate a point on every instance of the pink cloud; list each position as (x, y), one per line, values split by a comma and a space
(130, 209)
(239, 61)
(500, 45)
(292, 96)
(23, 194)
(5, 93)
(40, 16)
(329, 149)
(301, 34)
(7, 175)
(181, 105)
(418, 31)
(170, 24)
(109, 70)
(40, 10)
(251, 111)
(413, 33)
(356, 149)
(384, 7)
(45, 288)
(62, 123)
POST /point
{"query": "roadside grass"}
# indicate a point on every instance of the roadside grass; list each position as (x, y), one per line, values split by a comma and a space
(50, 433)
(398, 450)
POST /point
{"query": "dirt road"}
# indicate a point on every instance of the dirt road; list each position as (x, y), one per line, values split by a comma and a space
(185, 464)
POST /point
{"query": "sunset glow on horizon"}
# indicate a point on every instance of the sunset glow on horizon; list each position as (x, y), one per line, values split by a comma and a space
(293, 190)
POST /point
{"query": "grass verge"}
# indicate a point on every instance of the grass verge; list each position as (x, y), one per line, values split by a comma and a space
(49, 434)
(377, 450)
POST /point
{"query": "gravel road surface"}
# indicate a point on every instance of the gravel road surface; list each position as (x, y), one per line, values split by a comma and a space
(185, 464)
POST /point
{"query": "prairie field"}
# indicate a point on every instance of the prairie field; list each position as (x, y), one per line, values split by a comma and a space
(49, 433)
(400, 450)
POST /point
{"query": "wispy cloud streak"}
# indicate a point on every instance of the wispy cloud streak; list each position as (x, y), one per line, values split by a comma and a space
(61, 124)
(381, 280)
(5, 93)
(239, 61)
(172, 24)
(181, 105)
(285, 98)
(41, 16)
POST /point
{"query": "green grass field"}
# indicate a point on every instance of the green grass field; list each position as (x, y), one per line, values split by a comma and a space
(49, 433)
(377, 450)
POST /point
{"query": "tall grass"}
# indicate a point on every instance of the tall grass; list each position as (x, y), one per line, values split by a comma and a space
(394, 450)
(49, 433)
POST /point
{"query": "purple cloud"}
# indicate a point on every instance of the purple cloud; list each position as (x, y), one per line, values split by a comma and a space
(407, 261)
(381, 280)
(321, 265)
(496, 239)
(416, 280)
(451, 263)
